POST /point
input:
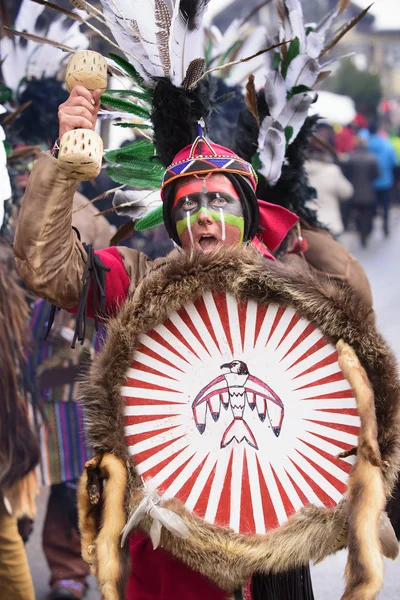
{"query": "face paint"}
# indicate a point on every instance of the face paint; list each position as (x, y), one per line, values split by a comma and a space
(205, 221)
(189, 228)
(223, 232)
(204, 180)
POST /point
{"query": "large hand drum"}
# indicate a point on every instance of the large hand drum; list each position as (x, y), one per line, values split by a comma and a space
(240, 410)
(226, 391)
(81, 150)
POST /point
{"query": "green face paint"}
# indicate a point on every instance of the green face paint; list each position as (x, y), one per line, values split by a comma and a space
(209, 214)
(220, 217)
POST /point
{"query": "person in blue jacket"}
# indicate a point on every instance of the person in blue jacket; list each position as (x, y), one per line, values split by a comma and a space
(385, 154)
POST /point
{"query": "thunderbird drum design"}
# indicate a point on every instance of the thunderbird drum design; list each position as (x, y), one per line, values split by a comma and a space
(240, 411)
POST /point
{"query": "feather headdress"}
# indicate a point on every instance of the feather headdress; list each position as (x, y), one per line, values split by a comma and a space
(291, 75)
(24, 58)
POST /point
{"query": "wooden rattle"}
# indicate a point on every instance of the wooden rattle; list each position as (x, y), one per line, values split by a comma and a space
(81, 150)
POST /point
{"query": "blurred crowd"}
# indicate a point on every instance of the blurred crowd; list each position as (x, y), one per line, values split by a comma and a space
(355, 171)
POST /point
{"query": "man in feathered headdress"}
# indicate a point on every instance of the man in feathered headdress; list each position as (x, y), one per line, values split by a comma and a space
(209, 201)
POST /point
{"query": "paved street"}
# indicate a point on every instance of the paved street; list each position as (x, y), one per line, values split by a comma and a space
(381, 261)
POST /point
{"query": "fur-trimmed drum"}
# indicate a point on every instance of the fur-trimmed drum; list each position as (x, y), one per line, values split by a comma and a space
(233, 383)
(240, 410)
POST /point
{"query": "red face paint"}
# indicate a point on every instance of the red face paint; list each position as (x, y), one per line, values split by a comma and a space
(215, 183)
(208, 213)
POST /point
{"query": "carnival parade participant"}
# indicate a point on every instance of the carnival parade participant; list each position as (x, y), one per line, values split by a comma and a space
(203, 212)
(19, 450)
(56, 368)
(208, 203)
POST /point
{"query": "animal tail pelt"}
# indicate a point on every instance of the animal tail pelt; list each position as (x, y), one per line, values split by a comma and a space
(366, 497)
(101, 501)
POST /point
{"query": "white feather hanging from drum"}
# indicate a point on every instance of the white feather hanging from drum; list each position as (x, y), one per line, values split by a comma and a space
(5, 185)
(240, 411)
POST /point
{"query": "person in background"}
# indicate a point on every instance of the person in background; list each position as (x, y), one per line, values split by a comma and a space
(57, 368)
(384, 153)
(345, 140)
(19, 449)
(362, 170)
(328, 180)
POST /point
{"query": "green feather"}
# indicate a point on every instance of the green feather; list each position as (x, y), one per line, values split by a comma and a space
(137, 176)
(288, 134)
(276, 61)
(128, 68)
(8, 148)
(5, 93)
(133, 125)
(141, 150)
(145, 96)
(298, 89)
(125, 106)
(293, 51)
(231, 49)
(153, 219)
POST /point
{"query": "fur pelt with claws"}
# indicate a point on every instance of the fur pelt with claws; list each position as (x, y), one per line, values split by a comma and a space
(225, 557)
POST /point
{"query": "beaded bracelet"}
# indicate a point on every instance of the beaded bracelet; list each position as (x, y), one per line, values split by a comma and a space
(56, 148)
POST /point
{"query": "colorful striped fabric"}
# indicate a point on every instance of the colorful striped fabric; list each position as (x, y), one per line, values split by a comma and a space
(56, 414)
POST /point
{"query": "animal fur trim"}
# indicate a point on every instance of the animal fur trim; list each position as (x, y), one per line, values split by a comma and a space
(314, 532)
(366, 498)
(101, 519)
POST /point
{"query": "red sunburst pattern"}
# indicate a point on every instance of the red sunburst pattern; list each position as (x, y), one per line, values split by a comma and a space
(251, 489)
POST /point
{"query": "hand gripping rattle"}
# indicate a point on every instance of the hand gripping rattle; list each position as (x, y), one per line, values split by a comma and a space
(81, 150)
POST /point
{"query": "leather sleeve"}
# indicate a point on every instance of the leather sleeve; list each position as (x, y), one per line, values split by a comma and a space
(325, 254)
(50, 258)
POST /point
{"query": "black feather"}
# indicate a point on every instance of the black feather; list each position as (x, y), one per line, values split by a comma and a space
(39, 122)
(222, 122)
(190, 11)
(175, 115)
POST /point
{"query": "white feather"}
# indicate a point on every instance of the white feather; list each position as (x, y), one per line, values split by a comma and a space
(326, 22)
(119, 14)
(145, 18)
(285, 29)
(170, 520)
(255, 41)
(149, 505)
(46, 61)
(155, 533)
(331, 62)
(26, 58)
(222, 42)
(136, 203)
(185, 45)
(17, 51)
(134, 519)
(296, 21)
(315, 44)
(275, 93)
(28, 15)
(303, 70)
(295, 113)
(271, 149)
(5, 186)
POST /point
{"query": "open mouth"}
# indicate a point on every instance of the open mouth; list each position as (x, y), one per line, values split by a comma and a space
(207, 242)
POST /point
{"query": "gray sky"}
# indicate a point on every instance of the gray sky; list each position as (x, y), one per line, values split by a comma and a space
(387, 13)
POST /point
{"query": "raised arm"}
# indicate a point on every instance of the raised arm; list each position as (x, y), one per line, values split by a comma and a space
(49, 256)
